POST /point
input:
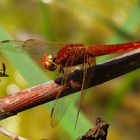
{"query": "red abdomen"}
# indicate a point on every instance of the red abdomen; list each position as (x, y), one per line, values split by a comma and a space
(98, 50)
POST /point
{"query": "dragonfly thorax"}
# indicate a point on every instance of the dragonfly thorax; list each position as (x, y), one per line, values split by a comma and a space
(73, 55)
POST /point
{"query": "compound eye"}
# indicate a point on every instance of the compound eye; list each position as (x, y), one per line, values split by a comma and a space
(52, 67)
(49, 63)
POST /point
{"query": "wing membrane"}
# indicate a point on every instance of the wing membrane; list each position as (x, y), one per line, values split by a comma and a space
(32, 47)
(59, 109)
(12, 45)
(85, 82)
(62, 104)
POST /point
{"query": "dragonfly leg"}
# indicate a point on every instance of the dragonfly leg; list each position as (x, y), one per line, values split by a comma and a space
(65, 71)
(88, 60)
(61, 69)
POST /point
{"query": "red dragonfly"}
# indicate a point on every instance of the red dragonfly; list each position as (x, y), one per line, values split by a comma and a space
(65, 58)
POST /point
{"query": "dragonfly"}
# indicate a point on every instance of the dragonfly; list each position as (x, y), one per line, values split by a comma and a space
(64, 57)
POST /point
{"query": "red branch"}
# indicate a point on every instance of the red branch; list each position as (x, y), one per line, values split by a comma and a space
(34, 96)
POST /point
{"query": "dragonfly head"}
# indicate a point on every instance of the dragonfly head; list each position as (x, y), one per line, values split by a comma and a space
(48, 62)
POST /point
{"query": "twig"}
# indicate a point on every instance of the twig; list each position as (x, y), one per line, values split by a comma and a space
(97, 133)
(34, 96)
(3, 69)
(10, 134)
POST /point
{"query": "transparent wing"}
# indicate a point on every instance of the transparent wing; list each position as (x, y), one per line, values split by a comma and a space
(33, 47)
(59, 109)
(41, 47)
(62, 104)
(12, 45)
(88, 61)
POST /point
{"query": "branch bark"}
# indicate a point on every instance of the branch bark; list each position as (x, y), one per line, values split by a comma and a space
(34, 96)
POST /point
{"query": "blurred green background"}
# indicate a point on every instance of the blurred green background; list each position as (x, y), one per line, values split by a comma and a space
(82, 21)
